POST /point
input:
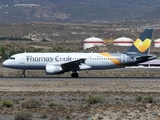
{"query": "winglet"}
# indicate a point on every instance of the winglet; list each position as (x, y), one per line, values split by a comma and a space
(143, 43)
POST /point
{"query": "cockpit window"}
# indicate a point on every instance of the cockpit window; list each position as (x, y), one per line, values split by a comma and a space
(12, 58)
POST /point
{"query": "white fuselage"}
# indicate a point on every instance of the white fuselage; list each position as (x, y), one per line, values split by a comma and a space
(94, 61)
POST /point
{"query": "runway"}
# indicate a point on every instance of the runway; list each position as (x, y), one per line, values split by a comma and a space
(115, 79)
(151, 73)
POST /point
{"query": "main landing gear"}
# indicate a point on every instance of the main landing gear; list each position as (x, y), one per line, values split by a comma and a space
(23, 73)
(74, 74)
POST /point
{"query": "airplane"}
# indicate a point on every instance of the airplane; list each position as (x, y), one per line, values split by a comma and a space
(58, 63)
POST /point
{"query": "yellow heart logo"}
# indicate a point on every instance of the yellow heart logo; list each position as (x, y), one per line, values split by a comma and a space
(142, 46)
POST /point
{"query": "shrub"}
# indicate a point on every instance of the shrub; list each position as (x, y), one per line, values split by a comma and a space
(6, 103)
(30, 103)
(148, 99)
(138, 98)
(94, 99)
(51, 104)
(23, 116)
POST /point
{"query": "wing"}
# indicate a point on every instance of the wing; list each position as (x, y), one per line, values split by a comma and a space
(74, 65)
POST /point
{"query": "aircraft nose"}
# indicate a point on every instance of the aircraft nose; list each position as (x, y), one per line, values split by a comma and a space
(5, 63)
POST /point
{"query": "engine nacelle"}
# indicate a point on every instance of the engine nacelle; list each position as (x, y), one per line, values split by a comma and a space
(53, 69)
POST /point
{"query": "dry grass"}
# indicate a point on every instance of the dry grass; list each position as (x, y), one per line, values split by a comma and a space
(31, 103)
(72, 105)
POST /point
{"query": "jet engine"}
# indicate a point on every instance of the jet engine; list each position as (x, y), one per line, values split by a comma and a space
(54, 69)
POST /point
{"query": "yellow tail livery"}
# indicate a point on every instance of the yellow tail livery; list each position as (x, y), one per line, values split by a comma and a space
(143, 43)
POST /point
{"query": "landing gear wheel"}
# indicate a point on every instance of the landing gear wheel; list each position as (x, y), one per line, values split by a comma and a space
(22, 75)
(74, 75)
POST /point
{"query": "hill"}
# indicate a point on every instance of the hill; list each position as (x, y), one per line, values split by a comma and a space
(77, 11)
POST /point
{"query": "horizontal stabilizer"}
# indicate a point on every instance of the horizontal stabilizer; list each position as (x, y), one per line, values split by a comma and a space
(145, 58)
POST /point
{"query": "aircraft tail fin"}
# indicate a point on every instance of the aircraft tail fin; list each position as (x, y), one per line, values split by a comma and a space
(143, 43)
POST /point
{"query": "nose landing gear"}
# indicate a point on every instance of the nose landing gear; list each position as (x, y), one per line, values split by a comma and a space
(23, 73)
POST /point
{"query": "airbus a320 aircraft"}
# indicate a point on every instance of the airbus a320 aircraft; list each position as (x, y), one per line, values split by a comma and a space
(58, 63)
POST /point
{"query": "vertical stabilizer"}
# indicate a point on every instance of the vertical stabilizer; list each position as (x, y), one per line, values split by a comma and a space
(143, 43)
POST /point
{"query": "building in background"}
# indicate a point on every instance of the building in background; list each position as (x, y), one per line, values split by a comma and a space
(123, 41)
(92, 42)
(157, 43)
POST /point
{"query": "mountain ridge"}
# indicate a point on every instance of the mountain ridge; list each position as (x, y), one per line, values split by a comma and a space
(77, 11)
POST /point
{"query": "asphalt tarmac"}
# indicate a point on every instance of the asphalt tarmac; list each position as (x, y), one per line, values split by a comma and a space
(81, 78)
